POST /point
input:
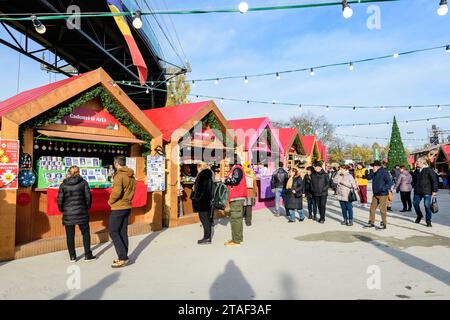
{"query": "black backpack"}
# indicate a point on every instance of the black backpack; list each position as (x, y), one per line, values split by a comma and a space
(220, 196)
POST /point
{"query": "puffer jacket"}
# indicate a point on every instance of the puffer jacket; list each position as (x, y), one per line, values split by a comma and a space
(124, 186)
(203, 191)
(295, 200)
(320, 182)
(74, 201)
(426, 182)
(279, 178)
(404, 182)
(344, 184)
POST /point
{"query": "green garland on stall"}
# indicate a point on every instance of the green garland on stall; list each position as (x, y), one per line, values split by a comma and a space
(298, 145)
(108, 102)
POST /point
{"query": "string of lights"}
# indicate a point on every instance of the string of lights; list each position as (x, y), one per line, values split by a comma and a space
(300, 106)
(243, 7)
(375, 138)
(354, 125)
(312, 69)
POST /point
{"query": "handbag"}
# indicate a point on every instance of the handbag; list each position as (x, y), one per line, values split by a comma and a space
(352, 196)
(434, 205)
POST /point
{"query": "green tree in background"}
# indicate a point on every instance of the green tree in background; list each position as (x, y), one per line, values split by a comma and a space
(178, 91)
(396, 154)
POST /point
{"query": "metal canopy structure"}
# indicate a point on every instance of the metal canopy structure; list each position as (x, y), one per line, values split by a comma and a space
(98, 43)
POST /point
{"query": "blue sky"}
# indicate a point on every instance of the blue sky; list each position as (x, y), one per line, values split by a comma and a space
(228, 44)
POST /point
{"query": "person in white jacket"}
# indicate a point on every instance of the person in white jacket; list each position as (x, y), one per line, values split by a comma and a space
(345, 183)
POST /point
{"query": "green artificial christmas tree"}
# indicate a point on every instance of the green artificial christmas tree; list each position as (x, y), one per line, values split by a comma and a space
(396, 154)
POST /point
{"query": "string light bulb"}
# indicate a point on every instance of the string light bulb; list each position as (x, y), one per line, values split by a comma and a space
(246, 79)
(278, 76)
(38, 25)
(300, 107)
(409, 108)
(243, 7)
(447, 49)
(193, 83)
(311, 72)
(350, 66)
(396, 55)
(347, 12)
(147, 91)
(327, 108)
(137, 21)
(383, 108)
(443, 8)
(216, 81)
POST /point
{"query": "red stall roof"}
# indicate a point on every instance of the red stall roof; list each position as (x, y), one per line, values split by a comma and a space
(324, 153)
(22, 98)
(446, 150)
(286, 135)
(257, 124)
(169, 119)
(308, 144)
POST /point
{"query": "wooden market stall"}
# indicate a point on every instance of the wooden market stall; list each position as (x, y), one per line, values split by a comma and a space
(192, 133)
(261, 147)
(311, 149)
(85, 120)
(294, 153)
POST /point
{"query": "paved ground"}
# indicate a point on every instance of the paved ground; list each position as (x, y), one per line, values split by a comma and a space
(278, 260)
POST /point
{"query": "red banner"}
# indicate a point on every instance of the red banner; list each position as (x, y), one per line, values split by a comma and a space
(9, 164)
(91, 118)
(100, 199)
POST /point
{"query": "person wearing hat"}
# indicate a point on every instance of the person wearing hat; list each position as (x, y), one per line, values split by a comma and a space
(237, 187)
(362, 183)
(320, 181)
(252, 192)
(381, 185)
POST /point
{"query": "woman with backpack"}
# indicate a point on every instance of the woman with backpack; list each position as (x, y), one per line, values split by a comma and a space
(74, 201)
(201, 197)
(294, 195)
(252, 191)
(345, 183)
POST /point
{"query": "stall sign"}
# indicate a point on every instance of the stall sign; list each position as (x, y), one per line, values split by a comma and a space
(9, 164)
(91, 118)
(156, 180)
(131, 163)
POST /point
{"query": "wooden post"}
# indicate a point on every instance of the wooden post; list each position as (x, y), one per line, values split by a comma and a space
(8, 199)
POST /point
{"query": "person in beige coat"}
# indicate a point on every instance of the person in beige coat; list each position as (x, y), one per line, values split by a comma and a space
(345, 182)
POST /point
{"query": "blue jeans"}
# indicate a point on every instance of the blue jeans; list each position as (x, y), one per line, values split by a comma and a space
(427, 203)
(347, 210)
(312, 206)
(279, 193)
(300, 214)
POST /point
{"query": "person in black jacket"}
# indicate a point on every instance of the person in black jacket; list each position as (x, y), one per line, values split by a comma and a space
(294, 192)
(320, 182)
(381, 184)
(278, 184)
(312, 207)
(74, 201)
(202, 200)
(425, 187)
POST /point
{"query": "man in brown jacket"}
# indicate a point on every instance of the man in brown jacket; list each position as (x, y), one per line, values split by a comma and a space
(122, 194)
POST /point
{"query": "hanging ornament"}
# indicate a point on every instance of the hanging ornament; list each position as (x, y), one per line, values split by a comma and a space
(44, 147)
(62, 148)
(89, 148)
(50, 147)
(95, 148)
(79, 148)
(84, 148)
(73, 147)
(36, 146)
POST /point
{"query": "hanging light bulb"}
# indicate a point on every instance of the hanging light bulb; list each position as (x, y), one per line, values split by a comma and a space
(147, 91)
(114, 84)
(245, 79)
(311, 71)
(383, 108)
(193, 83)
(354, 126)
(350, 66)
(222, 100)
(216, 81)
(409, 108)
(137, 21)
(328, 108)
(347, 12)
(274, 101)
(407, 122)
(396, 55)
(443, 8)
(243, 7)
(439, 108)
(248, 101)
(40, 28)
(447, 49)
(300, 107)
(278, 76)
(354, 108)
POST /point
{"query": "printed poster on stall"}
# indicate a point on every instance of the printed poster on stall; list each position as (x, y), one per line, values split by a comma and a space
(156, 180)
(9, 164)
